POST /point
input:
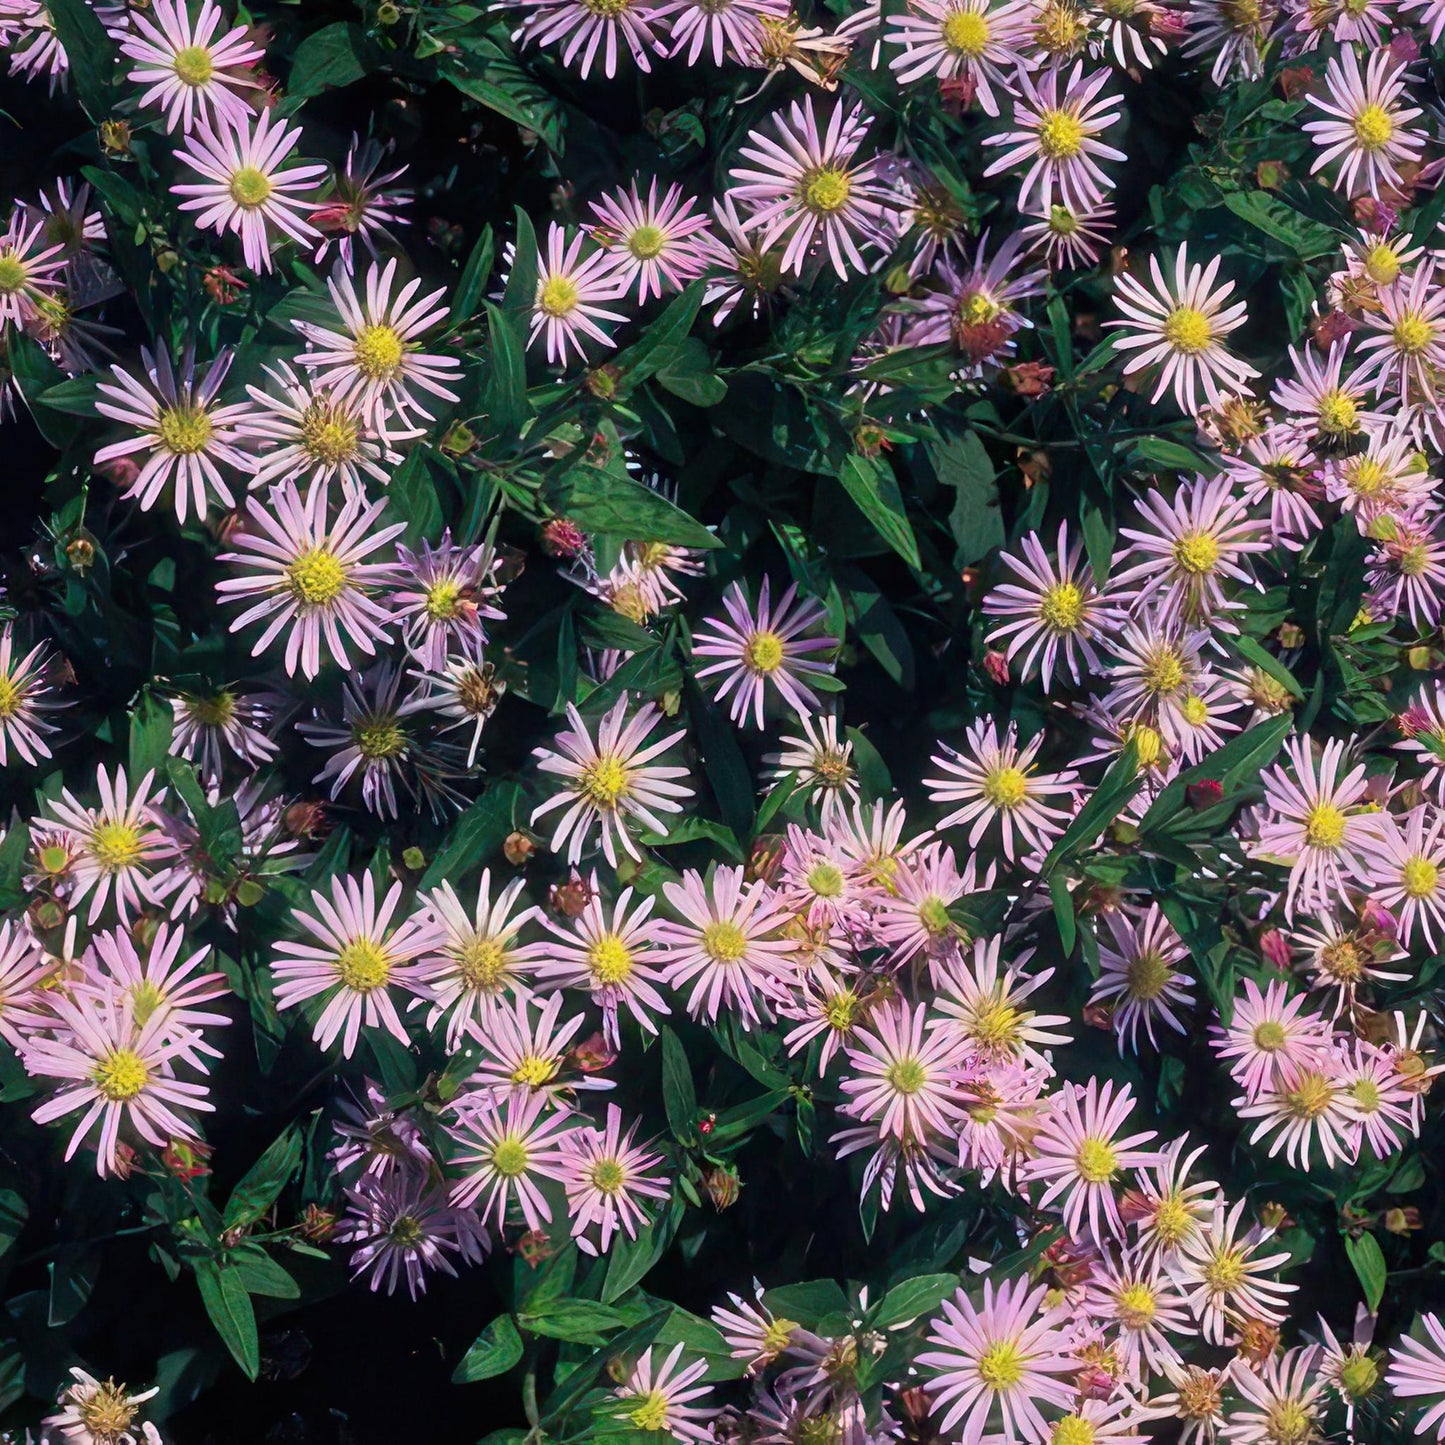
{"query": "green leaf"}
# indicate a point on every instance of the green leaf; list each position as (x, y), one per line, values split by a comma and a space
(476, 836)
(1064, 915)
(412, 498)
(263, 1275)
(504, 396)
(808, 1303)
(662, 340)
(560, 1403)
(73, 1273)
(632, 1259)
(726, 768)
(13, 1214)
(913, 1298)
(493, 1353)
(678, 1095)
(75, 397)
(963, 462)
(582, 1322)
(1253, 653)
(229, 1307)
(90, 52)
(1105, 804)
(333, 56)
(1165, 455)
(503, 86)
(472, 283)
(741, 1118)
(1369, 1262)
(261, 1185)
(875, 491)
(152, 723)
(616, 506)
(1306, 238)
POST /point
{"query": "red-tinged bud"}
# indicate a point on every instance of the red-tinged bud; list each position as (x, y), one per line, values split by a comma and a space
(223, 286)
(571, 898)
(1275, 948)
(1295, 80)
(535, 1246)
(1379, 918)
(1204, 794)
(707, 1124)
(317, 1223)
(1332, 327)
(186, 1158)
(1258, 1340)
(995, 664)
(1096, 1383)
(593, 1055)
(723, 1186)
(563, 538)
(1029, 378)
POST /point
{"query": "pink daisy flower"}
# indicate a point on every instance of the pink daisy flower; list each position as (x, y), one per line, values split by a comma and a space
(978, 41)
(769, 649)
(24, 968)
(728, 28)
(1140, 978)
(506, 1143)
(188, 71)
(445, 600)
(660, 1398)
(24, 699)
(519, 1051)
(608, 1177)
(1223, 1273)
(1403, 351)
(310, 575)
(984, 1000)
(574, 278)
(355, 961)
(1368, 126)
(658, 243)
(247, 188)
(30, 271)
(585, 27)
(1406, 872)
(1417, 1372)
(1271, 1037)
(1311, 1109)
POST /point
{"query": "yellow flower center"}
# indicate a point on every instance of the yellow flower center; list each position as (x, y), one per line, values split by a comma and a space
(1062, 221)
(763, 652)
(609, 9)
(482, 963)
(825, 880)
(1224, 1271)
(1062, 607)
(1412, 333)
(778, 1335)
(933, 915)
(184, 430)
(650, 1411)
(1097, 1161)
(106, 1410)
(607, 1175)
(840, 1010)
(906, 1076)
(1367, 478)
(1338, 413)
(534, 1071)
(1005, 787)
(604, 781)
(11, 697)
(1382, 265)
(966, 33)
(1001, 1366)
(120, 1075)
(509, 1156)
(1136, 1306)
(13, 273)
(1148, 741)
(1196, 553)
(213, 712)
(328, 435)
(1366, 1094)
(1187, 329)
(378, 738)
(1172, 1220)
(1413, 560)
(1195, 711)
(1164, 671)
(443, 600)
(1269, 1037)
(1342, 960)
(379, 352)
(977, 308)
(363, 965)
(1072, 1430)
(610, 960)
(724, 942)
(1311, 1096)
(558, 296)
(1147, 976)
(1359, 1375)
(825, 190)
(1373, 127)
(250, 188)
(1325, 826)
(1061, 135)
(1288, 1422)
(646, 242)
(406, 1230)
(1420, 877)
(192, 65)
(116, 846)
(317, 577)
(996, 1025)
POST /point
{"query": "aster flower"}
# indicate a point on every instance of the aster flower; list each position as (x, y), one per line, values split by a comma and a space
(1179, 326)
(829, 1005)
(1308, 1108)
(661, 1398)
(1143, 1305)
(608, 1177)
(518, 1051)
(1314, 825)
(1069, 236)
(997, 780)
(1195, 543)
(726, 944)
(1406, 571)
(309, 433)
(374, 1138)
(1057, 609)
(806, 186)
(1368, 127)
(362, 202)
(613, 956)
(100, 1412)
(1382, 1107)
(768, 649)
(1403, 350)
(1194, 722)
(1139, 975)
(247, 187)
(1417, 1372)
(1278, 470)
(1153, 663)
(476, 961)
(1271, 1037)
(1238, 35)
(1342, 959)
(445, 600)
(821, 764)
(975, 40)
(1223, 1273)
(24, 700)
(727, 28)
(657, 242)
(117, 845)
(190, 73)
(1163, 1207)
(747, 269)
(403, 1227)
(355, 961)
(585, 27)
(24, 969)
(177, 421)
(212, 727)
(375, 359)
(574, 278)
(609, 780)
(467, 693)
(30, 271)
(1078, 1155)
(1406, 871)
(1387, 477)
(985, 1003)
(1324, 406)
(505, 1144)
(1011, 1354)
(1057, 135)
(310, 575)
(912, 917)
(115, 1069)
(1287, 1393)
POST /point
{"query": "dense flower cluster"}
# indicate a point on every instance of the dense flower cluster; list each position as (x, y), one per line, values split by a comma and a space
(925, 701)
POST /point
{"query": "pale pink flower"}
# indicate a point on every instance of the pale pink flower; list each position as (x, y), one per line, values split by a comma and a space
(1417, 1371)
(911, 916)
(213, 727)
(518, 1051)
(820, 763)
(728, 29)
(608, 1177)
(1368, 126)
(506, 1143)
(24, 969)
(24, 700)
(1271, 1037)
(1324, 406)
(1069, 236)
(1140, 978)
(445, 600)
(657, 242)
(1403, 350)
(985, 1003)
(585, 27)
(1162, 1205)
(248, 189)
(1405, 872)
(661, 1397)
(574, 278)
(979, 41)
(1287, 1388)
(1309, 1108)
(30, 271)
(1223, 1273)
